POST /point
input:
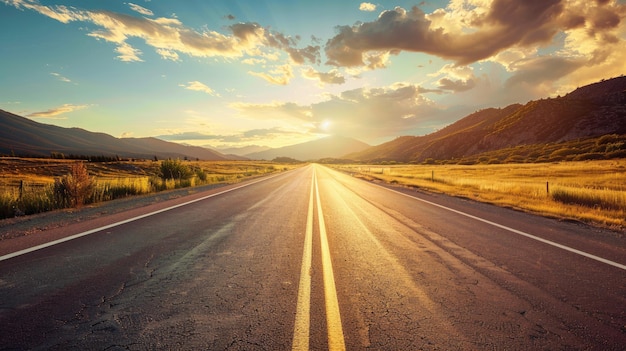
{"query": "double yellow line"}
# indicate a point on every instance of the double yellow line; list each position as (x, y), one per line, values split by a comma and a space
(303, 311)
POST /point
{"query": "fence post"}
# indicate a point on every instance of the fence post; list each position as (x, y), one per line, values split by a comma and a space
(21, 188)
(432, 176)
(548, 188)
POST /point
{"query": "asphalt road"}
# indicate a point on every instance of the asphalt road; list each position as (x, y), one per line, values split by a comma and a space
(314, 259)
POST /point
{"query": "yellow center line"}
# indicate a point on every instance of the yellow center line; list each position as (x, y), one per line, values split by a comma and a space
(303, 309)
(333, 317)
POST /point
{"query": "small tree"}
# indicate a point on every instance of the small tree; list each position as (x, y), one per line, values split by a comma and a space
(77, 185)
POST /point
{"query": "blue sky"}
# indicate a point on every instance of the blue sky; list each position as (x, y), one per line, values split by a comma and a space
(226, 73)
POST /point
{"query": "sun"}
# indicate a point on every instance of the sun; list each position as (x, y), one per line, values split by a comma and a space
(325, 125)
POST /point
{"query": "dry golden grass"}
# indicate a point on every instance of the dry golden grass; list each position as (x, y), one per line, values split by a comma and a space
(27, 185)
(589, 191)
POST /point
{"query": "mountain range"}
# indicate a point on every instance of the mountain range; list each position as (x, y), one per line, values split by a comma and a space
(328, 147)
(24, 137)
(587, 112)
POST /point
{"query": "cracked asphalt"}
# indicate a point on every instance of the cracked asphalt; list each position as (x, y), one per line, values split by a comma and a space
(223, 273)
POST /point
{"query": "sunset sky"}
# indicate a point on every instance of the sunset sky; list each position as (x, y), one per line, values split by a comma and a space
(226, 73)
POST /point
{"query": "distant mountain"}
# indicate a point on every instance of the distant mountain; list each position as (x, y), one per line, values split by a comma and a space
(329, 147)
(22, 136)
(244, 150)
(590, 111)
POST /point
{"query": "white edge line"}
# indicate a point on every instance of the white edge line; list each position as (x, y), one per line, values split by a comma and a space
(92, 231)
(560, 246)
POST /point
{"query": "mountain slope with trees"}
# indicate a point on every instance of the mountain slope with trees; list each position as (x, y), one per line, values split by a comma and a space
(588, 112)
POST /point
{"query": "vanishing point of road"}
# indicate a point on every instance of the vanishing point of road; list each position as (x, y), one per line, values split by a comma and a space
(313, 259)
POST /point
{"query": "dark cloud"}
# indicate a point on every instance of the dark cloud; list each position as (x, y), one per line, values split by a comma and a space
(456, 85)
(509, 23)
(254, 33)
(603, 18)
(539, 70)
(331, 77)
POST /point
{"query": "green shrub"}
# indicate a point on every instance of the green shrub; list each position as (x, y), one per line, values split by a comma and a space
(174, 169)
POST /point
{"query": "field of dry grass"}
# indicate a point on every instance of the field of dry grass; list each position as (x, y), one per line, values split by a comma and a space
(27, 186)
(589, 191)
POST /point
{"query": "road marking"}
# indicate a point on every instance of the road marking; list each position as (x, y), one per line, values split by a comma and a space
(303, 307)
(333, 317)
(301, 331)
(519, 232)
(92, 231)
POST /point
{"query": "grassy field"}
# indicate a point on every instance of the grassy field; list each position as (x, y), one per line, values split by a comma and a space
(589, 191)
(29, 186)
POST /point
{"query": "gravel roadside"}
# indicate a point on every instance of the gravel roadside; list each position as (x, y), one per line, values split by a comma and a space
(28, 225)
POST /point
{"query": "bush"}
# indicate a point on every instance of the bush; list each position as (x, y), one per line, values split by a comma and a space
(174, 169)
(75, 188)
(589, 156)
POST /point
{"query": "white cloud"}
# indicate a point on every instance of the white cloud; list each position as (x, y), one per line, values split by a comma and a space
(366, 6)
(54, 112)
(128, 53)
(60, 77)
(168, 55)
(198, 86)
(280, 75)
(169, 37)
(141, 10)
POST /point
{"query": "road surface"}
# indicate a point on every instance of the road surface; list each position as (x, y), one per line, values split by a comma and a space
(314, 259)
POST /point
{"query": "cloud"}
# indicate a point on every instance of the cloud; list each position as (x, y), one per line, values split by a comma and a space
(168, 55)
(280, 75)
(366, 6)
(127, 53)
(52, 113)
(368, 113)
(273, 110)
(456, 85)
(265, 132)
(198, 86)
(60, 77)
(141, 10)
(331, 77)
(536, 72)
(456, 78)
(375, 113)
(471, 32)
(254, 33)
(181, 136)
(169, 37)
(261, 135)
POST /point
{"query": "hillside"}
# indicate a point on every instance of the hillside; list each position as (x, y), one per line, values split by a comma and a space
(329, 147)
(588, 112)
(24, 137)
